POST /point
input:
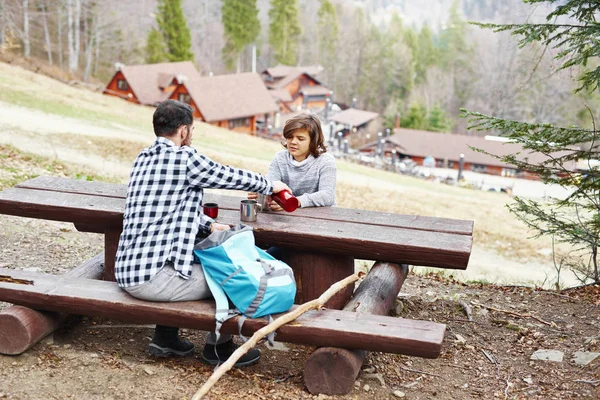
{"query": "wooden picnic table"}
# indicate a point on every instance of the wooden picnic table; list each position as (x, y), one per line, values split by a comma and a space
(321, 246)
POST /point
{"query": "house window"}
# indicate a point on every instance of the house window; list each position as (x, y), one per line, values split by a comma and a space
(184, 98)
(122, 84)
(510, 172)
(478, 168)
(315, 98)
(238, 122)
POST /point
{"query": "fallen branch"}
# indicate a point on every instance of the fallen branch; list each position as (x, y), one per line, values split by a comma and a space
(416, 371)
(593, 383)
(516, 314)
(272, 327)
(467, 309)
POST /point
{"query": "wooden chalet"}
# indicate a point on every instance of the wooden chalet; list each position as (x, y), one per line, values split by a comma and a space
(149, 84)
(304, 90)
(233, 102)
(354, 118)
(446, 148)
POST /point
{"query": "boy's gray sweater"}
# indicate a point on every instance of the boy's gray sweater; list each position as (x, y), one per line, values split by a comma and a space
(312, 180)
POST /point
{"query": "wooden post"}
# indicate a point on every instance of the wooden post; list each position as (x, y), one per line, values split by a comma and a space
(22, 327)
(332, 371)
(315, 273)
(111, 243)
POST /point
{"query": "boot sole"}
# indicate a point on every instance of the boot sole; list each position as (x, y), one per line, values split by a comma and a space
(157, 351)
(237, 364)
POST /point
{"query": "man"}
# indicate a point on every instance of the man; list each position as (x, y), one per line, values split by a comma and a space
(163, 216)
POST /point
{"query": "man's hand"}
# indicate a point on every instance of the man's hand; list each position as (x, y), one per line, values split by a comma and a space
(278, 186)
(252, 196)
(215, 226)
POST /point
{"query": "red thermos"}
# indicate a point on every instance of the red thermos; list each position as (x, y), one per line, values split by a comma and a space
(286, 200)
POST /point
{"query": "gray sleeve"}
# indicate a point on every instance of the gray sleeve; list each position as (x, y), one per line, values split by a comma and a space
(325, 195)
(274, 173)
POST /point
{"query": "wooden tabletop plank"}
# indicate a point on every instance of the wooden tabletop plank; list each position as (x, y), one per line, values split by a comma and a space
(322, 328)
(378, 218)
(369, 242)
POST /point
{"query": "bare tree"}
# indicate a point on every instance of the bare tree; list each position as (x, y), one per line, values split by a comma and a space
(2, 23)
(25, 36)
(70, 36)
(59, 33)
(46, 32)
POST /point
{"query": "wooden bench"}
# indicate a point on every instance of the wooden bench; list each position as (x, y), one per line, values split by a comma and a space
(321, 243)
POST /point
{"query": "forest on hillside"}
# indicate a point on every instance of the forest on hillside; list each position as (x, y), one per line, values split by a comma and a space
(420, 59)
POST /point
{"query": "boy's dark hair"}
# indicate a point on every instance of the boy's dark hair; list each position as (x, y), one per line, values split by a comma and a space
(312, 125)
(170, 115)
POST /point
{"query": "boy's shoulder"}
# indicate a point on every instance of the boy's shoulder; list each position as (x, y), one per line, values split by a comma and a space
(326, 158)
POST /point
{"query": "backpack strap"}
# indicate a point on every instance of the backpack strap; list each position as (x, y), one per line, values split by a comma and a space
(270, 273)
(223, 312)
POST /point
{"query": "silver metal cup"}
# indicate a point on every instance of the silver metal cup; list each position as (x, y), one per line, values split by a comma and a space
(262, 202)
(248, 210)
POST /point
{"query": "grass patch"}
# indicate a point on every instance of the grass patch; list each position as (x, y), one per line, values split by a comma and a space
(17, 166)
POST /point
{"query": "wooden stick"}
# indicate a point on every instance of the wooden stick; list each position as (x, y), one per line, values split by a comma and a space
(272, 327)
(516, 314)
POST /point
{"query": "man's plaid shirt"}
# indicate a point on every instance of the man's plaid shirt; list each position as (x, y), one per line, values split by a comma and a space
(163, 211)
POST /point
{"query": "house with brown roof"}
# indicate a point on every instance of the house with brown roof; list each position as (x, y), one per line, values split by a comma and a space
(149, 84)
(304, 89)
(233, 102)
(446, 150)
(354, 118)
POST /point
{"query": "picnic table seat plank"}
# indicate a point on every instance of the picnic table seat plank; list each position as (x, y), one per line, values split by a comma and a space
(386, 219)
(23, 327)
(362, 241)
(321, 328)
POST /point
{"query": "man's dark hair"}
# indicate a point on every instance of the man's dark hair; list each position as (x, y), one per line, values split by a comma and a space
(170, 115)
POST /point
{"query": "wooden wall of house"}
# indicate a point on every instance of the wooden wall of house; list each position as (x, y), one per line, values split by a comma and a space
(181, 89)
(112, 89)
(251, 129)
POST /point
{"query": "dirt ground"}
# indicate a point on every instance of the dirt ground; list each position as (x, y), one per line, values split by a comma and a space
(488, 357)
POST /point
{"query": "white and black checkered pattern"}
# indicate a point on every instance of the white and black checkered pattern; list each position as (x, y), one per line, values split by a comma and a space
(163, 212)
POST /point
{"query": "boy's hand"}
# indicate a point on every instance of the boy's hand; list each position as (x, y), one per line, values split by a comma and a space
(215, 226)
(274, 206)
(252, 196)
(278, 186)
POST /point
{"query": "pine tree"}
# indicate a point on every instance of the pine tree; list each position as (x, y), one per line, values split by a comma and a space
(155, 48)
(284, 30)
(240, 20)
(576, 219)
(174, 30)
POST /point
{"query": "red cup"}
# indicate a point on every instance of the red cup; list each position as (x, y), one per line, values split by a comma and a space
(286, 200)
(211, 210)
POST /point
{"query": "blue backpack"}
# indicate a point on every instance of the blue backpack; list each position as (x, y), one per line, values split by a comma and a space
(256, 283)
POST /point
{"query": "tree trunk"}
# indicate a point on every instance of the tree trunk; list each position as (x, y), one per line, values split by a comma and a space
(46, 32)
(90, 43)
(26, 47)
(97, 46)
(2, 24)
(59, 23)
(331, 370)
(77, 28)
(70, 37)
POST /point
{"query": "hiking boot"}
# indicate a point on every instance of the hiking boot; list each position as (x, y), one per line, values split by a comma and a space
(224, 350)
(166, 343)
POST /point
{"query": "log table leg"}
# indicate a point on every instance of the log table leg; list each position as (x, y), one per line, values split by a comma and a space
(22, 327)
(111, 242)
(315, 273)
(331, 370)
